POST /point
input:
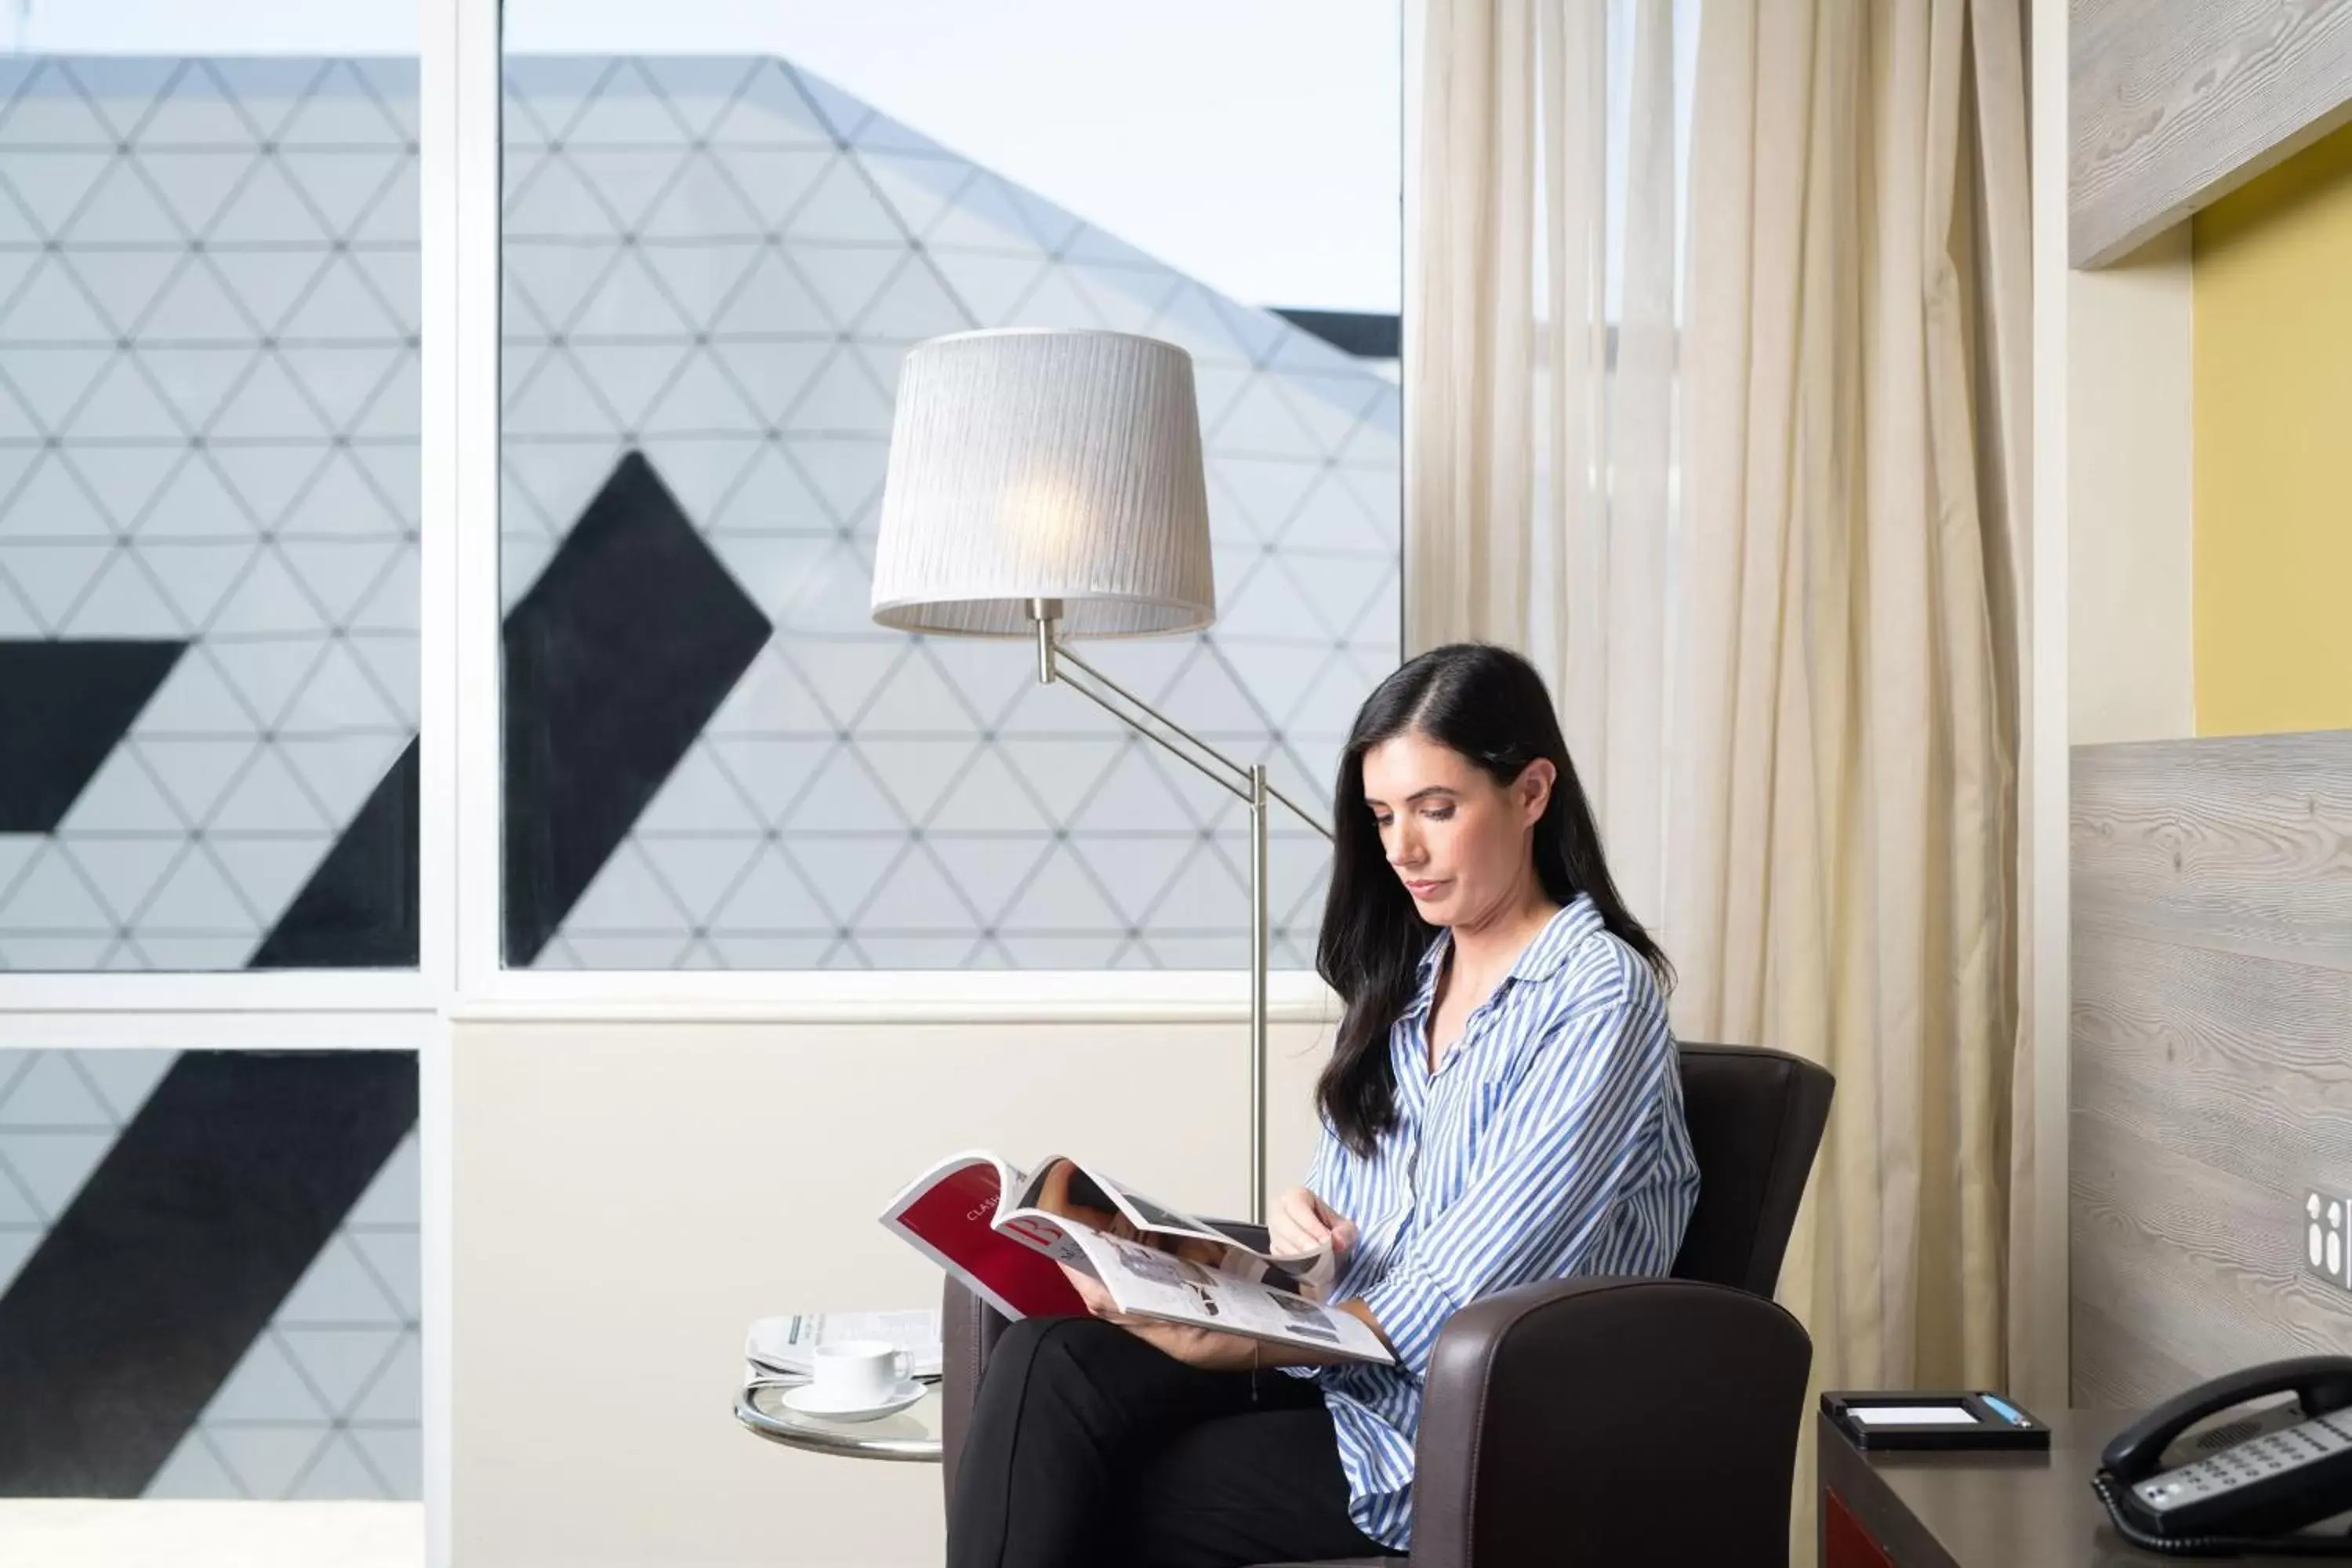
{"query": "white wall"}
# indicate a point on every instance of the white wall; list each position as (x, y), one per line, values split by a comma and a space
(2108, 630)
(2130, 330)
(629, 1196)
(2038, 1266)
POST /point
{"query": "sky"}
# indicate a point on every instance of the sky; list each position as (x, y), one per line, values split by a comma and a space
(1253, 145)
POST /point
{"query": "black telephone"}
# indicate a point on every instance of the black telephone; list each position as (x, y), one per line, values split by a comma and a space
(2240, 1486)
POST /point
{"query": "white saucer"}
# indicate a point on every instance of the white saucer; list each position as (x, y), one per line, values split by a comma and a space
(806, 1401)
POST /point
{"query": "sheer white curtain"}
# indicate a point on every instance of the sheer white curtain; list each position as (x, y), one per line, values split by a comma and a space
(1768, 562)
(1541, 351)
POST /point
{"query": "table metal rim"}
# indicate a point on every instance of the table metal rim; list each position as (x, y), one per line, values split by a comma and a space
(816, 1440)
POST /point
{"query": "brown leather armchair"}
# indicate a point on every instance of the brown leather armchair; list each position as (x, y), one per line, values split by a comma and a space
(1600, 1419)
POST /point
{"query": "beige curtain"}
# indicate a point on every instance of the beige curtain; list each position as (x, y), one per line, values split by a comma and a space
(1836, 704)
(1843, 814)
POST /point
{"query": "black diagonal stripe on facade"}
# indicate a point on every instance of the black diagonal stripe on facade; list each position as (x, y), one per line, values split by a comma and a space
(1363, 333)
(64, 705)
(176, 1253)
(615, 660)
(358, 911)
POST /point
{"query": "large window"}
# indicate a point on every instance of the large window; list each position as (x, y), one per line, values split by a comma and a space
(266, 1347)
(210, 530)
(714, 256)
(209, 332)
(383, 588)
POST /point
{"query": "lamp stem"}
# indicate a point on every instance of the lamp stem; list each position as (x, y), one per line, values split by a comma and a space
(1051, 656)
(1258, 933)
(1044, 613)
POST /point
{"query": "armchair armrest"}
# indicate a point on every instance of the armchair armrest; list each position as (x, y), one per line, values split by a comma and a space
(967, 1331)
(1609, 1419)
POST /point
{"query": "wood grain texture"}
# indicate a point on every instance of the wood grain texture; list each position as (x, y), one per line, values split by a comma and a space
(2237, 1063)
(2116, 1369)
(2240, 844)
(2202, 1266)
(2172, 105)
(2212, 1067)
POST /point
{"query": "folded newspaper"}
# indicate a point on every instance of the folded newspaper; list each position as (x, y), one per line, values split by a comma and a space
(1005, 1232)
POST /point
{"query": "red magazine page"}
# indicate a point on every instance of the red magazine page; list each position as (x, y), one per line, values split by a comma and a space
(950, 1221)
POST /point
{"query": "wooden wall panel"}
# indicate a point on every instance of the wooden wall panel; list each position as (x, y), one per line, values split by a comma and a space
(2172, 104)
(2116, 1369)
(2239, 845)
(2211, 1073)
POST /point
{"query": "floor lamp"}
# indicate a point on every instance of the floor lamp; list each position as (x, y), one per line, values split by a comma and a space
(1048, 485)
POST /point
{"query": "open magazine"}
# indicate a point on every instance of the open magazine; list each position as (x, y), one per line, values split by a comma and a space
(1004, 1232)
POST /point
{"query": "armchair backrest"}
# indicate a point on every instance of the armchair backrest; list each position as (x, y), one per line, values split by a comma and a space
(1756, 1118)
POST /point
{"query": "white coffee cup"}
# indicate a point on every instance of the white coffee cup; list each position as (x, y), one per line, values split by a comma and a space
(855, 1374)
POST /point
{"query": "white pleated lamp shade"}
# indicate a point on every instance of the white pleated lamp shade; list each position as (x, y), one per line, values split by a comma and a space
(1045, 465)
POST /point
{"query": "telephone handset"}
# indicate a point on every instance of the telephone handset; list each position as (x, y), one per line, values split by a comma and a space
(2241, 1486)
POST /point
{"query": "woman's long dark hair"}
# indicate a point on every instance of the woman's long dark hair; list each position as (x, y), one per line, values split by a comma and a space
(1489, 705)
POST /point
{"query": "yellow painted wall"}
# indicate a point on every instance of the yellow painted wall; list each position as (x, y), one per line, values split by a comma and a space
(2273, 449)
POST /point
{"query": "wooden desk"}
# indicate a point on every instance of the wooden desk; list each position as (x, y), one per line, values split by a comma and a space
(1976, 1511)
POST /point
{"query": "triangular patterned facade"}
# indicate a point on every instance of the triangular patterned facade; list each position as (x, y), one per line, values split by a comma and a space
(719, 263)
(208, 432)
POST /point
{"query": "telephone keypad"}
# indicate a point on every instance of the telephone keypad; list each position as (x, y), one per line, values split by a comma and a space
(2247, 1463)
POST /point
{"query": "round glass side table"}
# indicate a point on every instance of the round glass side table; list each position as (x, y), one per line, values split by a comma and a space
(911, 1434)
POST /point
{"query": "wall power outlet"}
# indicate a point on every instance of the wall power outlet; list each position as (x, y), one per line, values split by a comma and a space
(2326, 1250)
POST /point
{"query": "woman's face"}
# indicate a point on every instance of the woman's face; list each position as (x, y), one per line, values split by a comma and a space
(1460, 842)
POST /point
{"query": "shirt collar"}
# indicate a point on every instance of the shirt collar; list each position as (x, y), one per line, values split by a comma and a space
(1540, 960)
(1425, 991)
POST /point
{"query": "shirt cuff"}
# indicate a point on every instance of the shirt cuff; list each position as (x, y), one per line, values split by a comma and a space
(1411, 1310)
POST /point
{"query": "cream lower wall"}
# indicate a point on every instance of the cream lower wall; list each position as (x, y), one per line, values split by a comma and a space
(2130, 493)
(631, 1195)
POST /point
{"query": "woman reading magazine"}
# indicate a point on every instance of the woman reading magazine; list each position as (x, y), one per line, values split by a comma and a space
(1502, 1105)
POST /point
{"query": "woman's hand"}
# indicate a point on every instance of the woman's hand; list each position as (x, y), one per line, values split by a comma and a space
(1092, 1291)
(1203, 1348)
(1301, 1222)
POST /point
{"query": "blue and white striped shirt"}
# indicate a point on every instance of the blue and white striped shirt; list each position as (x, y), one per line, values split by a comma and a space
(1550, 1142)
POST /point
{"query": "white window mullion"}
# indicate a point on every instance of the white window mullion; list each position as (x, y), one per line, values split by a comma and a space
(469, 208)
(940, 996)
(459, 189)
(220, 1029)
(26, 998)
(440, 427)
